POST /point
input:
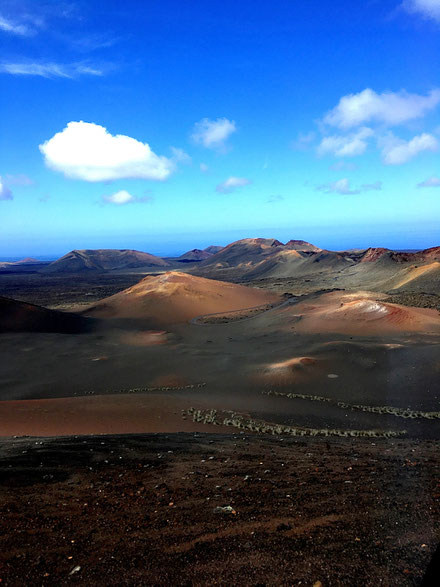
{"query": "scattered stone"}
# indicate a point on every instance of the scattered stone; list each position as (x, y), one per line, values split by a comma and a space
(224, 510)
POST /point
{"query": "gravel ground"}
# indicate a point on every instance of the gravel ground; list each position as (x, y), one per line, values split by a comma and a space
(205, 509)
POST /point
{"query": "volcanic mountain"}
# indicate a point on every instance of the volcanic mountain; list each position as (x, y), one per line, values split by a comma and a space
(195, 255)
(298, 245)
(175, 297)
(99, 260)
(243, 253)
(259, 258)
(375, 268)
(22, 317)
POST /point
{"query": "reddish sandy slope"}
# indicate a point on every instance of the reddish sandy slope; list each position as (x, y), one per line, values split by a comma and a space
(363, 313)
(174, 297)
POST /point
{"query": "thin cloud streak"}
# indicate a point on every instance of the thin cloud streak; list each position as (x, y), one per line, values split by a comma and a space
(50, 69)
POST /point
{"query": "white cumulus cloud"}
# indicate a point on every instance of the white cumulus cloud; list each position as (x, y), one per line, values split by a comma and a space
(119, 198)
(5, 192)
(348, 145)
(426, 8)
(123, 197)
(231, 184)
(87, 151)
(396, 151)
(389, 108)
(431, 182)
(213, 134)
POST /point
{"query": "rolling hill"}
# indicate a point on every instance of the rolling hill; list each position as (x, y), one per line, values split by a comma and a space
(175, 297)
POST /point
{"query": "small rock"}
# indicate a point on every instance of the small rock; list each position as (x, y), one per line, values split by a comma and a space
(224, 510)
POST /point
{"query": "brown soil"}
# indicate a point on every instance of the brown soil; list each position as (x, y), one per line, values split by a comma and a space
(144, 510)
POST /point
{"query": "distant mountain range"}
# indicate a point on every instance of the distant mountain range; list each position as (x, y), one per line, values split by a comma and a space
(251, 260)
(254, 259)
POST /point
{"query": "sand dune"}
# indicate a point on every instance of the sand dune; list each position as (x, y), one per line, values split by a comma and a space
(175, 297)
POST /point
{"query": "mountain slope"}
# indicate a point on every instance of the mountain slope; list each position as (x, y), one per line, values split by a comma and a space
(195, 255)
(22, 317)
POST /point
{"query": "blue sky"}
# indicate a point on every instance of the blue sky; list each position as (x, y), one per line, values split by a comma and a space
(168, 125)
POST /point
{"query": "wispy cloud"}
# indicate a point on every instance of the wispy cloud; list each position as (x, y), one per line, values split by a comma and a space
(122, 197)
(367, 187)
(204, 168)
(16, 28)
(343, 165)
(213, 134)
(343, 187)
(231, 184)
(20, 179)
(92, 42)
(275, 198)
(5, 192)
(426, 8)
(303, 142)
(180, 156)
(431, 182)
(50, 69)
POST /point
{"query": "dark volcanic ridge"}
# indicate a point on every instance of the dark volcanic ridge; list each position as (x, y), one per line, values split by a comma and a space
(22, 317)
